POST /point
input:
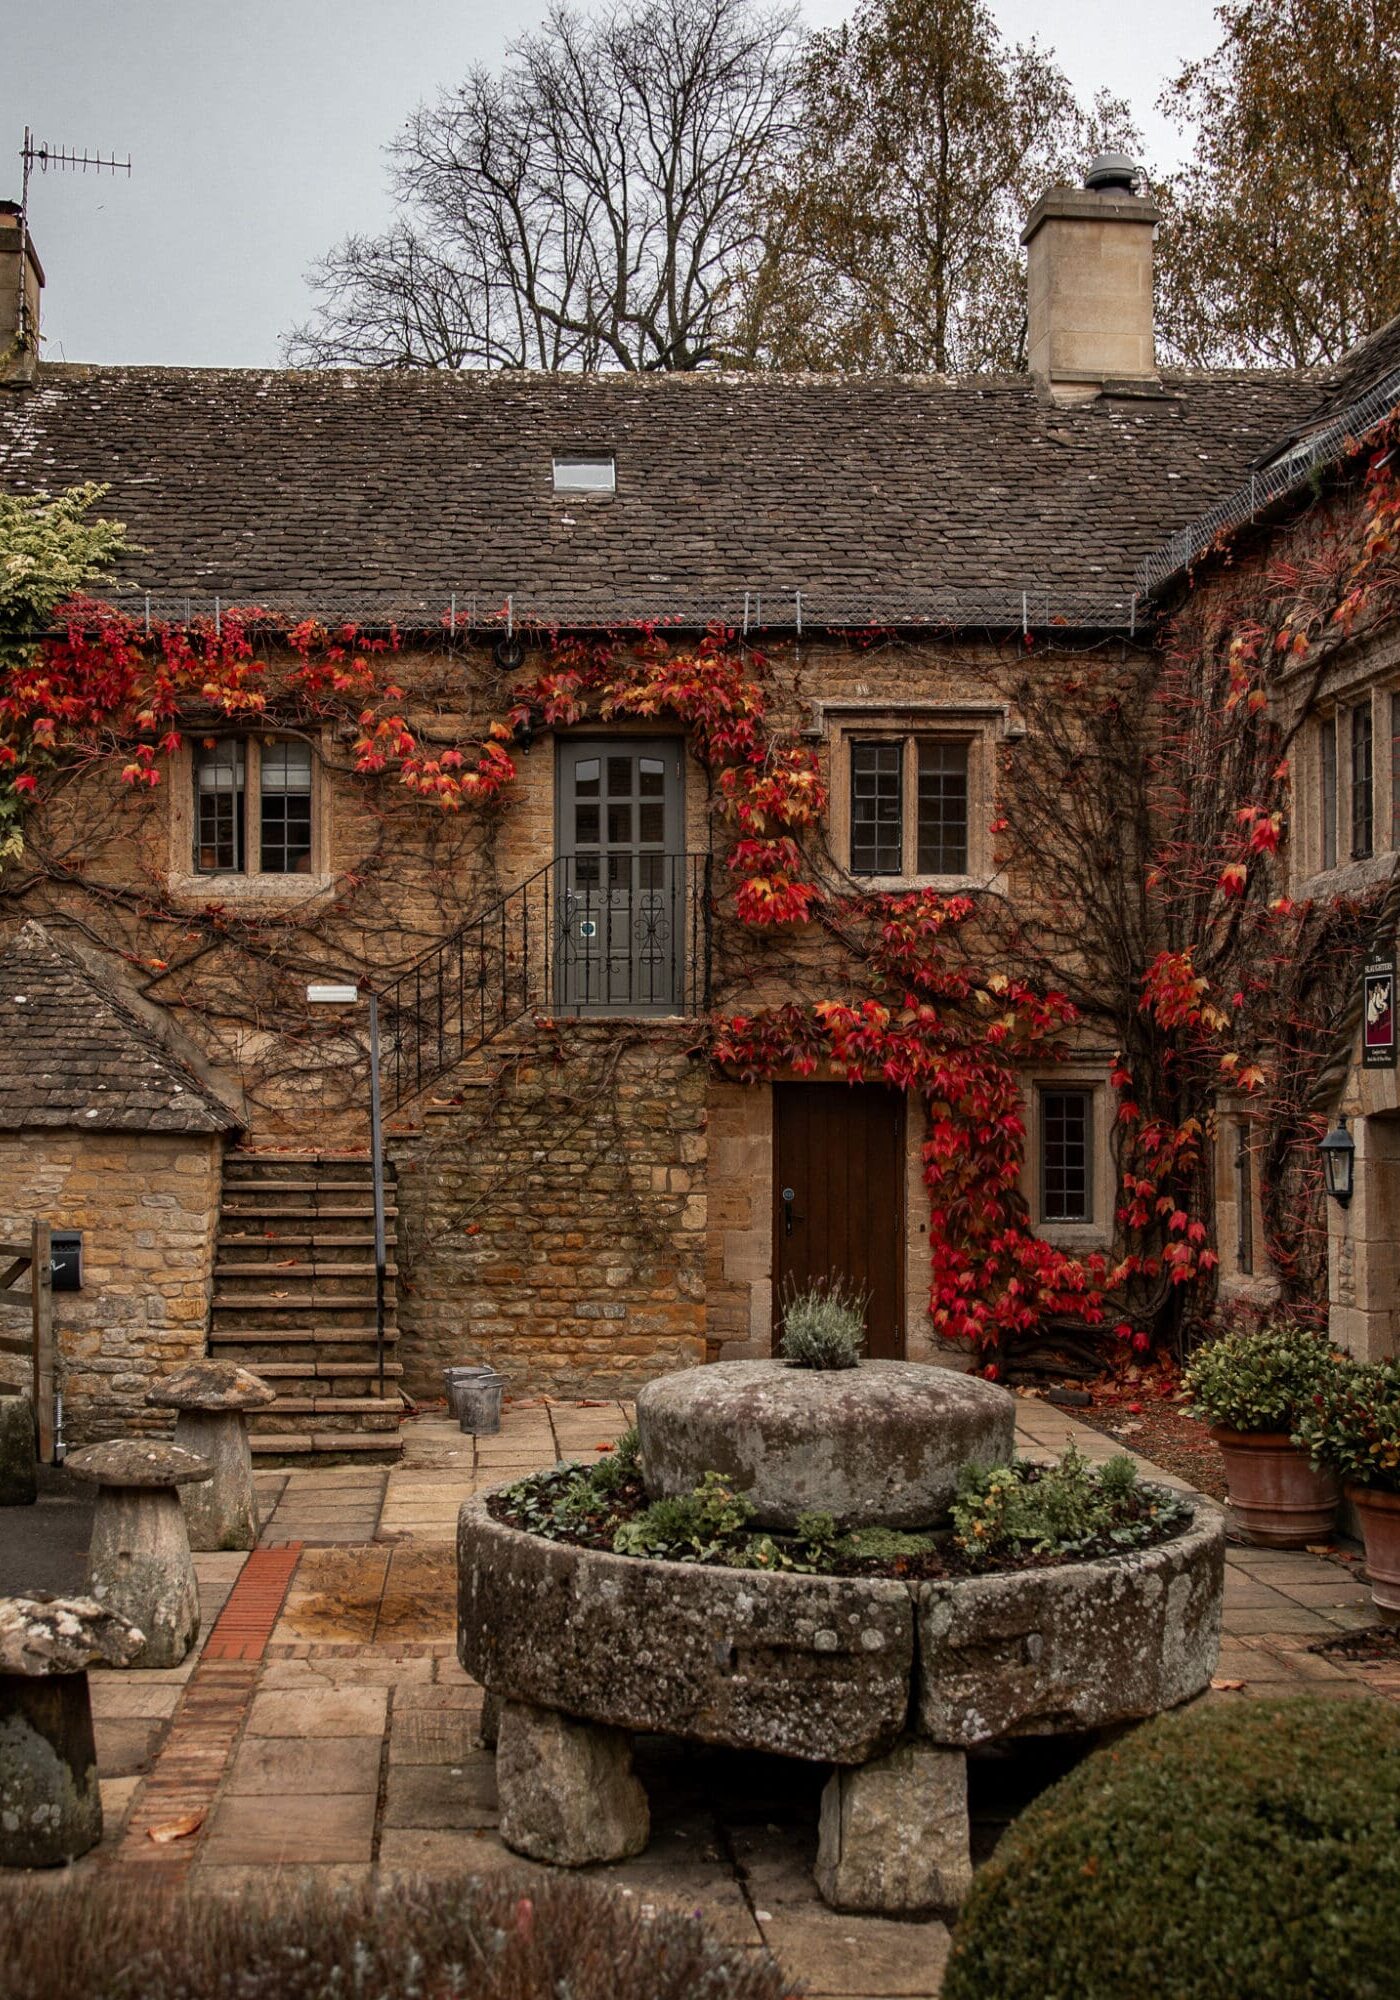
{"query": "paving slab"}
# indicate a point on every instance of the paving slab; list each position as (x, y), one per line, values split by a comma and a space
(276, 1765)
(443, 1796)
(272, 1829)
(353, 1711)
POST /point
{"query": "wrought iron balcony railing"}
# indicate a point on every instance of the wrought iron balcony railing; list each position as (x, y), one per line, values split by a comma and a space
(587, 934)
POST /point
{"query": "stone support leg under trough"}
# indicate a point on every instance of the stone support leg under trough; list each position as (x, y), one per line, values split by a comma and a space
(50, 1806)
(139, 1565)
(220, 1512)
(894, 1833)
(567, 1791)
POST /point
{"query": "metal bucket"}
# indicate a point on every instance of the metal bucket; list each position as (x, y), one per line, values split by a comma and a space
(454, 1378)
(479, 1412)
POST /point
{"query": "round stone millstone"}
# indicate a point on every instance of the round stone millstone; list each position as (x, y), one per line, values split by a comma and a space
(880, 1445)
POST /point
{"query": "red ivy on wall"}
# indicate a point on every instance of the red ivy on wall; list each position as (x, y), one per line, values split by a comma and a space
(931, 1025)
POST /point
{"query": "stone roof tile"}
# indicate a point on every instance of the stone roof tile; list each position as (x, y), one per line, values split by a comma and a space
(72, 1054)
(862, 490)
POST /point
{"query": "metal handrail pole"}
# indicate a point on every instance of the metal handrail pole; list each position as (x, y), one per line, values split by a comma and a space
(376, 1140)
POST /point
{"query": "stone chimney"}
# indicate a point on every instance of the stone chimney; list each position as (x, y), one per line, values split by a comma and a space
(1089, 283)
(19, 309)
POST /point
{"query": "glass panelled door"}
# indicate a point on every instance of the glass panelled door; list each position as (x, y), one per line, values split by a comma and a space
(620, 928)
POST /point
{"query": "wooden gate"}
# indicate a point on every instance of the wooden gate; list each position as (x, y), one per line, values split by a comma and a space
(33, 1263)
(839, 1198)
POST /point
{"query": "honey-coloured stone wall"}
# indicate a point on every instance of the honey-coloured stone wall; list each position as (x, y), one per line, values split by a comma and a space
(552, 1218)
(147, 1205)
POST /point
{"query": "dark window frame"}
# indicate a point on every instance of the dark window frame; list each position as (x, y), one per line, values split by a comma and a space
(1363, 781)
(272, 829)
(1327, 752)
(928, 777)
(1244, 1200)
(1064, 1216)
(214, 828)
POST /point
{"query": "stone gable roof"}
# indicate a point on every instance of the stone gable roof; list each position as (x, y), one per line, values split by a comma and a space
(72, 1054)
(868, 494)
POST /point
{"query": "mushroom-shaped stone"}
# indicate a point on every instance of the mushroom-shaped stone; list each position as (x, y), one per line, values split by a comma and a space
(18, 1460)
(212, 1399)
(50, 1805)
(881, 1445)
(139, 1563)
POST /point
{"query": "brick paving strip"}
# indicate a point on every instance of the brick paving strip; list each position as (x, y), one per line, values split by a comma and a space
(208, 1719)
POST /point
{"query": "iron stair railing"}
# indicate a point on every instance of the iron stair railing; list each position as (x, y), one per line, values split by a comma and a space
(586, 935)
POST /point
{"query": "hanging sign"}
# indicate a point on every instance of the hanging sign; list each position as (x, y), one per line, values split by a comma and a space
(1378, 1014)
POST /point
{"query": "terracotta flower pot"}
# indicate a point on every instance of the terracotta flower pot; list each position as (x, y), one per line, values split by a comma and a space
(1380, 1527)
(1277, 1498)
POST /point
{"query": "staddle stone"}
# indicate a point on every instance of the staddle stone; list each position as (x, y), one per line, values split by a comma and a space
(212, 1385)
(137, 1463)
(50, 1802)
(878, 1445)
(19, 1485)
(139, 1562)
(211, 1398)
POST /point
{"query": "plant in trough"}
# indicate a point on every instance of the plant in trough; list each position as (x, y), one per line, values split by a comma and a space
(1066, 1508)
(823, 1326)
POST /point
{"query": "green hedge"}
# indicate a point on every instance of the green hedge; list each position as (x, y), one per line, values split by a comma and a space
(1233, 1851)
(512, 1937)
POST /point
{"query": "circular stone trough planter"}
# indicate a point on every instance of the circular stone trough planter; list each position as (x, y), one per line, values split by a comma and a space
(821, 1668)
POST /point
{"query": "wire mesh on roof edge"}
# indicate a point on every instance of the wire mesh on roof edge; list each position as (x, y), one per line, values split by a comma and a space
(1199, 537)
(464, 612)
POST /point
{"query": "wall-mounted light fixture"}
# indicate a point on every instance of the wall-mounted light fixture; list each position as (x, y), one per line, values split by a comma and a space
(1338, 1151)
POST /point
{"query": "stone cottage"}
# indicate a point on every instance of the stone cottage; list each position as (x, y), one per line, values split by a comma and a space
(908, 567)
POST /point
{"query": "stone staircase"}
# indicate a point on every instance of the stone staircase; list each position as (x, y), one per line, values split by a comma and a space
(294, 1300)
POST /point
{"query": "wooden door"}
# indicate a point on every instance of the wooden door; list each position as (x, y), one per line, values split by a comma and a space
(838, 1198)
(621, 939)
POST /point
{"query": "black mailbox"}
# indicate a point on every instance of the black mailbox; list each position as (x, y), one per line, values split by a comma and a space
(66, 1259)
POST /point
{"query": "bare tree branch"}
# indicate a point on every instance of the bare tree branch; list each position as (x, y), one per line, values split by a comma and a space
(594, 205)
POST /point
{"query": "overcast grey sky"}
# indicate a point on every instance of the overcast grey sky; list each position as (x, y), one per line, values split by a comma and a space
(255, 129)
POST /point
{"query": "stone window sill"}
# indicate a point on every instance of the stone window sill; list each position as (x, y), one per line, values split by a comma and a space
(281, 891)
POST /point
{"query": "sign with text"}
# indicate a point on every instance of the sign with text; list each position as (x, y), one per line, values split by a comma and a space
(1378, 1014)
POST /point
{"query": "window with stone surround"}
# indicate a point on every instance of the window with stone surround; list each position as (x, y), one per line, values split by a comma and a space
(254, 806)
(909, 799)
(1067, 1174)
(1066, 1125)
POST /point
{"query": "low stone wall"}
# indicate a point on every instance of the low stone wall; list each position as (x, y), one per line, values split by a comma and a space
(148, 1208)
(552, 1220)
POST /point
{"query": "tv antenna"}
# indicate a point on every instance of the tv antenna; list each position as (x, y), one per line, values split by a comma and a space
(62, 159)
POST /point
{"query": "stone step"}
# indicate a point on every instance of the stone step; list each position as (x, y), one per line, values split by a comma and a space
(254, 1253)
(315, 1368)
(338, 1406)
(304, 1444)
(353, 1422)
(276, 1175)
(317, 1267)
(308, 1301)
(258, 1212)
(300, 1188)
(299, 1336)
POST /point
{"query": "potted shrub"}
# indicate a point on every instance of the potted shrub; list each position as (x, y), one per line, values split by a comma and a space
(1352, 1426)
(1252, 1383)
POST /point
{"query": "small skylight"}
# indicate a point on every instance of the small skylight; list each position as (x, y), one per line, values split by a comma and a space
(584, 472)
